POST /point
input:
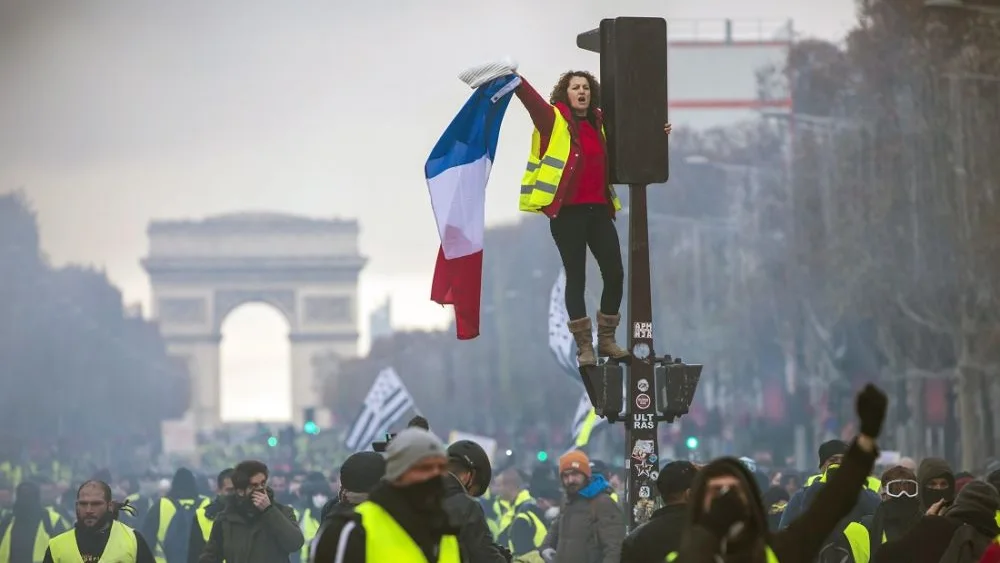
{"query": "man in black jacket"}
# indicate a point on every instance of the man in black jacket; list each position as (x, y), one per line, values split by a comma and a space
(358, 476)
(661, 535)
(469, 475)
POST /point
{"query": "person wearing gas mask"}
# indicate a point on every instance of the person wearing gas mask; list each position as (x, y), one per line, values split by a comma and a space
(252, 528)
(899, 510)
(204, 516)
(727, 521)
(98, 535)
(469, 475)
(958, 532)
(403, 520)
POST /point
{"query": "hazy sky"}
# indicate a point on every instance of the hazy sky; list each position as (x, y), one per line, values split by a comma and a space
(116, 112)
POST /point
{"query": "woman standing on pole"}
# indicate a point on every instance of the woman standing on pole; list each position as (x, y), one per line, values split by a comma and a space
(567, 180)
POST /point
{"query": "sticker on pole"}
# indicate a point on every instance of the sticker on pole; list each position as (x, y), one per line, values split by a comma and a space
(642, 330)
(642, 401)
(642, 385)
(644, 492)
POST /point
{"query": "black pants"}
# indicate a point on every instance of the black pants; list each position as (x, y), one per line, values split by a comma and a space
(576, 228)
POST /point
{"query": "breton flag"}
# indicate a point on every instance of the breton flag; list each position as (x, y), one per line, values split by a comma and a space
(560, 340)
(387, 401)
(584, 422)
(457, 172)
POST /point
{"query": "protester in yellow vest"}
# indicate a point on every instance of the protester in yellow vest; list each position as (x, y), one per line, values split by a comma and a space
(25, 533)
(567, 179)
(204, 516)
(403, 520)
(168, 523)
(98, 536)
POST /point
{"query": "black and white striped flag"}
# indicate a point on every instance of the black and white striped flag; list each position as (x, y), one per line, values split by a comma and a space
(387, 401)
(560, 340)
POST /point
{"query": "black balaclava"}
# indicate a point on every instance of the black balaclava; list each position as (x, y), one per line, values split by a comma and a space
(933, 468)
(749, 546)
(184, 486)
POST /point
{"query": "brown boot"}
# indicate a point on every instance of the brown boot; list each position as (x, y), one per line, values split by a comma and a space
(606, 345)
(583, 333)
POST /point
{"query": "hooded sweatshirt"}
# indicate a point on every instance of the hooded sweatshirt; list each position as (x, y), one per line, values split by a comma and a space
(963, 533)
(933, 468)
(801, 541)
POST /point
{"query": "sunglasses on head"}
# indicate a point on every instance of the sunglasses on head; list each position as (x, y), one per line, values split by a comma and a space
(901, 487)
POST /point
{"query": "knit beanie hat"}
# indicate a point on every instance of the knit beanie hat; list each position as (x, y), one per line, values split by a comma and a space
(361, 472)
(575, 460)
(830, 449)
(408, 448)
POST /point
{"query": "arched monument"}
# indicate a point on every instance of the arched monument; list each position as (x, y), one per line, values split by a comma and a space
(307, 269)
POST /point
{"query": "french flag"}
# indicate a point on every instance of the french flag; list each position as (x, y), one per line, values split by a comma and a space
(457, 172)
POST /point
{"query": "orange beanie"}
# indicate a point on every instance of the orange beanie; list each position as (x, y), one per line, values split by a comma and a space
(575, 461)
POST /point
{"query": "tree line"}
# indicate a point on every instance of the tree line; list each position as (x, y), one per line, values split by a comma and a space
(82, 378)
(855, 238)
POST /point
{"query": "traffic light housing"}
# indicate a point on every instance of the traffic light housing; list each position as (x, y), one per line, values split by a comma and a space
(676, 383)
(310, 426)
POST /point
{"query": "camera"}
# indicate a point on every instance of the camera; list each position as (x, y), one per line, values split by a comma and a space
(381, 446)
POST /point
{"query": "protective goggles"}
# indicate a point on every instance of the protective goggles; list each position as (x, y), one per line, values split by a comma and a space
(900, 488)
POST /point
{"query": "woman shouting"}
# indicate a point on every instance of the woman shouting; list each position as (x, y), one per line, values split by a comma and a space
(567, 180)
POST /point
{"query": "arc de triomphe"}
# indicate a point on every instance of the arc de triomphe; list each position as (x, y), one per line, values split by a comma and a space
(307, 269)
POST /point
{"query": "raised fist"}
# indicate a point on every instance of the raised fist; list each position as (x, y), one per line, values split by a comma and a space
(872, 404)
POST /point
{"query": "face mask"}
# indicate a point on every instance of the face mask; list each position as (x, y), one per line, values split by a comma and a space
(319, 500)
(901, 509)
(931, 496)
(426, 496)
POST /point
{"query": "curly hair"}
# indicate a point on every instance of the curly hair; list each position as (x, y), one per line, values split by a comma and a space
(559, 91)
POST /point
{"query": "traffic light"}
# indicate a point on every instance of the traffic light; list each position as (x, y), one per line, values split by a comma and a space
(310, 426)
(542, 456)
(272, 441)
(692, 443)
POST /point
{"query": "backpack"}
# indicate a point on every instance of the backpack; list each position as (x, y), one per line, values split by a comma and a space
(177, 539)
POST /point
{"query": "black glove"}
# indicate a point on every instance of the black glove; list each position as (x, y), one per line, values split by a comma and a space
(505, 552)
(871, 405)
(726, 511)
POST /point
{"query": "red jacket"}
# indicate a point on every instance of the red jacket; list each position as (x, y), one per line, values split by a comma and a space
(542, 117)
(992, 554)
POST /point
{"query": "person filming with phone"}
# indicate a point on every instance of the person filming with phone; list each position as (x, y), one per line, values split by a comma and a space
(252, 528)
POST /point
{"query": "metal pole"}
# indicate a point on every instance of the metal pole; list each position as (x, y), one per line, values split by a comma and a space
(642, 451)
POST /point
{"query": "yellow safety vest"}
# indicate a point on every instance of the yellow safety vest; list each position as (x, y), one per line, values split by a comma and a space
(204, 522)
(309, 525)
(167, 512)
(41, 537)
(873, 483)
(508, 516)
(771, 557)
(121, 547)
(530, 557)
(533, 520)
(544, 171)
(857, 537)
(386, 540)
